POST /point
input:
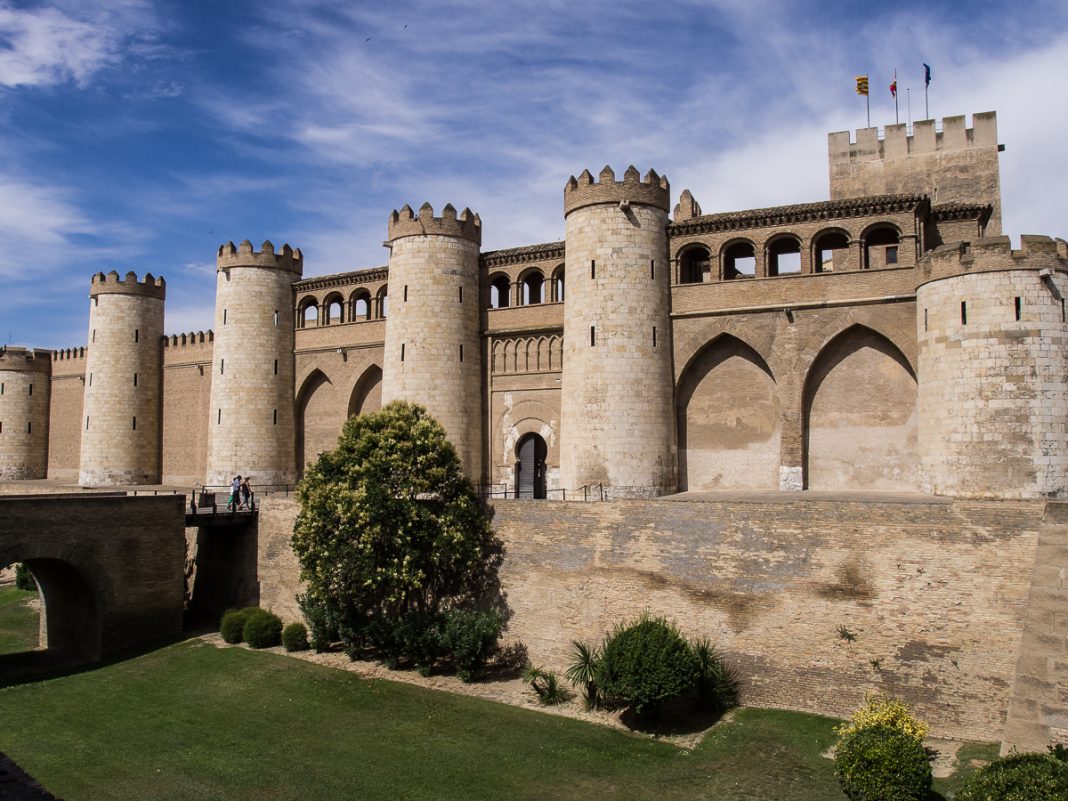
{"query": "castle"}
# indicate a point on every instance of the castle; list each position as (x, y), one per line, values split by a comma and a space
(887, 339)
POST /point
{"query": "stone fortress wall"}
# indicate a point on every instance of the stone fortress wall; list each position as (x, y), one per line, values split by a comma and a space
(24, 383)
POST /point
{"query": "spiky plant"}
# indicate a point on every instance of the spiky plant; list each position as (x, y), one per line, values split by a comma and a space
(545, 684)
(583, 672)
(716, 684)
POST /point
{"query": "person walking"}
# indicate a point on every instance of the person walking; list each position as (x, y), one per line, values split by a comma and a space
(246, 494)
(235, 494)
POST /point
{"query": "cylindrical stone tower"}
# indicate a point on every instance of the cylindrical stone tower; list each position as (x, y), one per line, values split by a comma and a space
(24, 390)
(993, 369)
(251, 430)
(433, 353)
(617, 425)
(123, 378)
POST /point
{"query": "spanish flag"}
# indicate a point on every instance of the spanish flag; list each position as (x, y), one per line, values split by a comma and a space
(893, 89)
(862, 84)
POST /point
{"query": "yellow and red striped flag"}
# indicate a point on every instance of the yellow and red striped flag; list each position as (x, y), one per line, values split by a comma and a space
(862, 84)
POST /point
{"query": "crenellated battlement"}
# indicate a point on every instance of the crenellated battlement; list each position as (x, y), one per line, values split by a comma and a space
(112, 284)
(25, 360)
(994, 254)
(190, 339)
(244, 255)
(653, 190)
(407, 223)
(68, 354)
(866, 145)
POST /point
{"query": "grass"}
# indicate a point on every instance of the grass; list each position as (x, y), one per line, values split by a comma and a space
(195, 722)
(18, 622)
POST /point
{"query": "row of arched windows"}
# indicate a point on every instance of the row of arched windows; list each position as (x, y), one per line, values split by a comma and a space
(831, 250)
(530, 289)
(335, 309)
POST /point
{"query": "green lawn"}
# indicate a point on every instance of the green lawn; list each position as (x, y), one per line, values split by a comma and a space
(195, 722)
(18, 623)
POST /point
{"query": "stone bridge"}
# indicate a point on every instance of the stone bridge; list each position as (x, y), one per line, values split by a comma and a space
(110, 568)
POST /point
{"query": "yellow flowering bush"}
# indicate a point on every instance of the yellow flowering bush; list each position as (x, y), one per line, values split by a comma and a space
(881, 710)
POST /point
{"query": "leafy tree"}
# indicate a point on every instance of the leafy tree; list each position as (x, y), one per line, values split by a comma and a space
(389, 526)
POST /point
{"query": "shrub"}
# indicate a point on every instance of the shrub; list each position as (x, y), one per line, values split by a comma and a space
(24, 579)
(645, 664)
(295, 637)
(880, 763)
(322, 629)
(582, 672)
(470, 637)
(263, 629)
(545, 685)
(879, 710)
(717, 686)
(1018, 777)
(232, 625)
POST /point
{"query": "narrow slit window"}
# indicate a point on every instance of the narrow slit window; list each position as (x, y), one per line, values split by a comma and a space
(90, 379)
(86, 423)
(593, 268)
(964, 312)
(275, 417)
(135, 379)
(1, 426)
(654, 336)
(1, 388)
(925, 319)
(224, 316)
(593, 336)
(218, 418)
(1063, 312)
(405, 293)
(94, 335)
(137, 335)
(29, 427)
(461, 353)
(276, 366)
(135, 424)
(31, 389)
(1019, 307)
(276, 316)
(652, 268)
(461, 294)
(402, 351)
(222, 366)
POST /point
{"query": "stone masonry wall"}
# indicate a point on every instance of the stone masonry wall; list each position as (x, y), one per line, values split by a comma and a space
(935, 591)
(250, 417)
(65, 420)
(187, 377)
(121, 409)
(616, 414)
(433, 349)
(993, 394)
(24, 391)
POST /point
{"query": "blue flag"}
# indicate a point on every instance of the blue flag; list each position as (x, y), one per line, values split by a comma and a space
(926, 75)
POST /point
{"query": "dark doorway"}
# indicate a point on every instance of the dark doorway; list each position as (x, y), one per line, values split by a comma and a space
(530, 468)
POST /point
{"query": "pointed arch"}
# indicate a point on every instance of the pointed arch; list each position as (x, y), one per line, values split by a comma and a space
(315, 399)
(729, 420)
(859, 415)
(366, 395)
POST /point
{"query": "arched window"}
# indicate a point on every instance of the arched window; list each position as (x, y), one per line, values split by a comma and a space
(784, 255)
(383, 302)
(360, 305)
(333, 309)
(500, 288)
(739, 261)
(558, 284)
(693, 264)
(830, 252)
(308, 313)
(881, 245)
(533, 284)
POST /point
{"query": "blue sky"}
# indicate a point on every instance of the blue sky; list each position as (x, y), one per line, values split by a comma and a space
(140, 135)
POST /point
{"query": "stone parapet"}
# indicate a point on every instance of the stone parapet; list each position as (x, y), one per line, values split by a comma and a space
(244, 255)
(653, 190)
(406, 223)
(993, 254)
(26, 360)
(112, 284)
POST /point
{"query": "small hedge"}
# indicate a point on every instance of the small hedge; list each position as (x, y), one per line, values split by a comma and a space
(646, 663)
(1018, 777)
(232, 626)
(880, 763)
(263, 629)
(24, 579)
(295, 637)
(471, 638)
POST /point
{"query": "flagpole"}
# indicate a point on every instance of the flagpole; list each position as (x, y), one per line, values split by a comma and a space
(908, 104)
(867, 100)
(897, 118)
